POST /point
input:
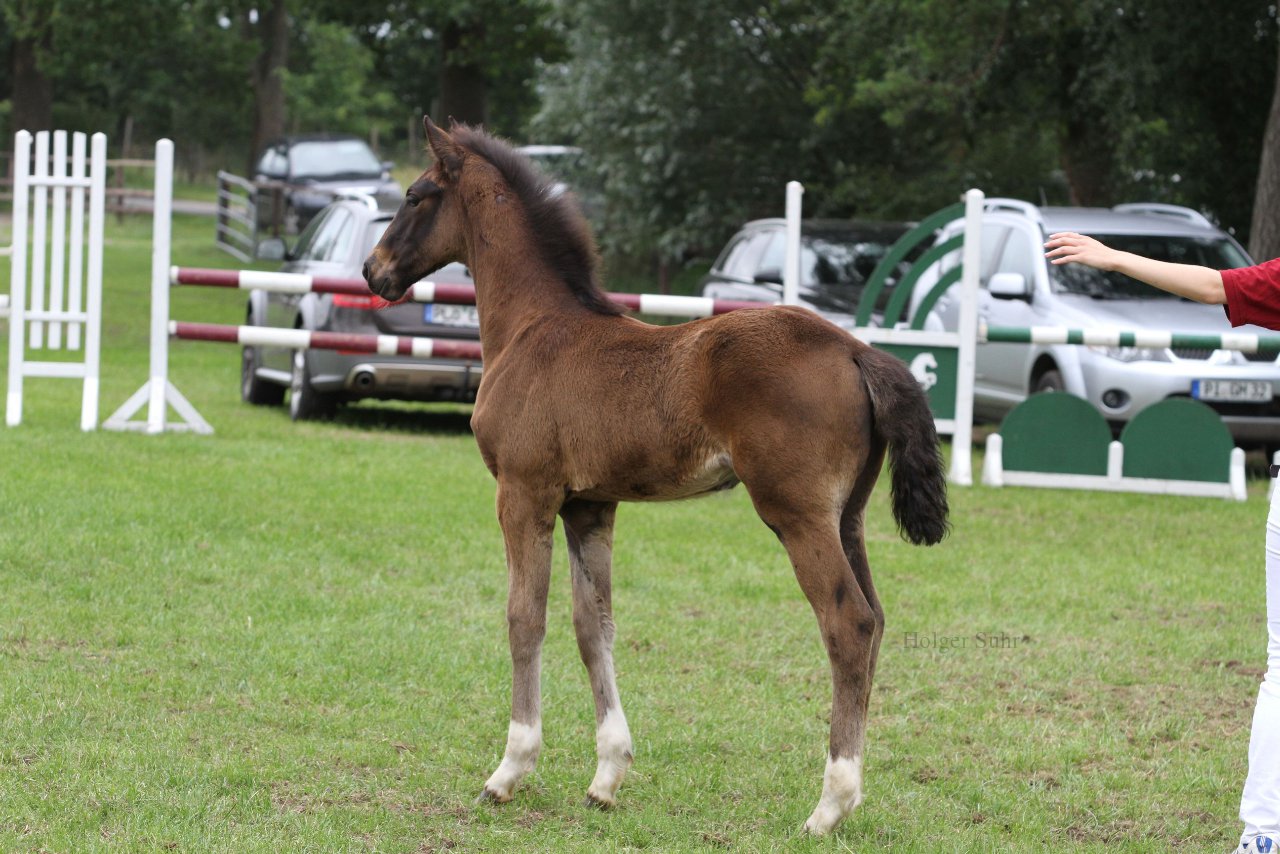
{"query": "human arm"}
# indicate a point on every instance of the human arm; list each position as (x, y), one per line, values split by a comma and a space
(1191, 281)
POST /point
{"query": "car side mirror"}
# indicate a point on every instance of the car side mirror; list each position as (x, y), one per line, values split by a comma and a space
(768, 276)
(272, 249)
(1009, 286)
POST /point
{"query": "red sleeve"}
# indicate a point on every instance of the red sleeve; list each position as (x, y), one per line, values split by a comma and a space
(1253, 295)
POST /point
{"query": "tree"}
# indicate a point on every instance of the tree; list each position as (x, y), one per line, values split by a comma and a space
(1077, 103)
(476, 60)
(32, 88)
(698, 115)
(693, 114)
(1264, 232)
(330, 83)
(270, 26)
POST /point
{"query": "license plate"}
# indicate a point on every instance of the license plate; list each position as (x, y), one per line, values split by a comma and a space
(1241, 391)
(451, 315)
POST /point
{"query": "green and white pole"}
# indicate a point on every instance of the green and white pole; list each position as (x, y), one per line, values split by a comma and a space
(1152, 339)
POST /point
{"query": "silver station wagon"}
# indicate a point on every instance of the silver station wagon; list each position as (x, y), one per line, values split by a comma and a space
(335, 243)
(1020, 288)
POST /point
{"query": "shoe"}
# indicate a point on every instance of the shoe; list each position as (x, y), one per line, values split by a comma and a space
(1265, 844)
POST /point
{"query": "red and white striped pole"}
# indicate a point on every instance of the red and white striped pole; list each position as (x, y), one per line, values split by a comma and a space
(350, 342)
(428, 291)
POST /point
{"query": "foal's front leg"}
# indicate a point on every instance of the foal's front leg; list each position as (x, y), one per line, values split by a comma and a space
(528, 520)
(588, 528)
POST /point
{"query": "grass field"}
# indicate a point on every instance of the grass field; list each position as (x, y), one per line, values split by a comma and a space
(291, 637)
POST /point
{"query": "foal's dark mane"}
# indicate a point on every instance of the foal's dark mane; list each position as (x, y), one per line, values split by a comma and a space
(559, 229)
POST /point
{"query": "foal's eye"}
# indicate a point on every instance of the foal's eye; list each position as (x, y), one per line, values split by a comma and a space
(411, 200)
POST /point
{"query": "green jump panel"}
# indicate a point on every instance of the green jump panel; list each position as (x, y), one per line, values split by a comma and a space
(1055, 433)
(936, 368)
(1178, 439)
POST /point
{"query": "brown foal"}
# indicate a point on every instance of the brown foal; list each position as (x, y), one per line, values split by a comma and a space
(581, 407)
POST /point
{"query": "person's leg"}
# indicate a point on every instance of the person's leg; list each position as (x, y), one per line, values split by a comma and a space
(1260, 803)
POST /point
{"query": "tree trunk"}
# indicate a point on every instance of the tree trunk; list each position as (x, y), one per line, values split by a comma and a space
(1264, 231)
(1087, 162)
(32, 89)
(267, 80)
(464, 91)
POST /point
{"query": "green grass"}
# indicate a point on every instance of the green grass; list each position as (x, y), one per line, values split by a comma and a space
(290, 637)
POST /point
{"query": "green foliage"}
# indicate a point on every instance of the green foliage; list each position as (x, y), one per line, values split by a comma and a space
(180, 68)
(691, 113)
(698, 116)
(507, 40)
(331, 85)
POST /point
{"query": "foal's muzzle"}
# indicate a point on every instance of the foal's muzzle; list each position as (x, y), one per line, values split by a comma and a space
(379, 281)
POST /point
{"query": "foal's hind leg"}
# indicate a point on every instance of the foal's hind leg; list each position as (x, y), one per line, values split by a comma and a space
(528, 520)
(850, 629)
(588, 528)
(853, 539)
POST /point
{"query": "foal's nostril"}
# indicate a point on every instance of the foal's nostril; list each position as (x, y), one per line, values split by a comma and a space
(364, 271)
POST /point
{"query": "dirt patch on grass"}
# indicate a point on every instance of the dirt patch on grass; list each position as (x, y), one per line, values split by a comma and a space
(1239, 668)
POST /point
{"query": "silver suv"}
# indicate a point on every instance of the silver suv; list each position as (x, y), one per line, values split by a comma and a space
(1020, 288)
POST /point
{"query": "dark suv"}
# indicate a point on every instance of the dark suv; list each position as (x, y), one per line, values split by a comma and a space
(299, 175)
(336, 243)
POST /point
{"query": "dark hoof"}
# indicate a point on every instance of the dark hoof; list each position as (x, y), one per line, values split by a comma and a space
(595, 803)
(488, 796)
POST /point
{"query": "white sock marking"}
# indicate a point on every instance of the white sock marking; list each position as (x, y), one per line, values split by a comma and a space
(523, 745)
(613, 749)
(841, 793)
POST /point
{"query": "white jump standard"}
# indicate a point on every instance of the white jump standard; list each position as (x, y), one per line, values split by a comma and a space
(55, 252)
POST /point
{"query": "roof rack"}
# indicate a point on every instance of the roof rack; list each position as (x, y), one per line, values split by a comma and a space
(1157, 209)
(356, 196)
(1027, 209)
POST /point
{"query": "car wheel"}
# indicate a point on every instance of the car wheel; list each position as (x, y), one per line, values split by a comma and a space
(305, 403)
(254, 389)
(1049, 381)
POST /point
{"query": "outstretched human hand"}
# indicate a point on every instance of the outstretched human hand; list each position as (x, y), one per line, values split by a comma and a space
(1190, 281)
(1067, 247)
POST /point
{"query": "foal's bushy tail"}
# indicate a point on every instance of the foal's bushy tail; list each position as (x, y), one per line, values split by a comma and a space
(902, 419)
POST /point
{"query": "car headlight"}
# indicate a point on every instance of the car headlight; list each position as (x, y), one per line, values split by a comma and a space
(1130, 354)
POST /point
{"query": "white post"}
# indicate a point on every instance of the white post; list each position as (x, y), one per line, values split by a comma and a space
(75, 279)
(158, 393)
(58, 245)
(962, 438)
(93, 292)
(993, 461)
(18, 277)
(791, 268)
(160, 239)
(39, 240)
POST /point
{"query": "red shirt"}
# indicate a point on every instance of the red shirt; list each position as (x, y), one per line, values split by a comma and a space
(1253, 295)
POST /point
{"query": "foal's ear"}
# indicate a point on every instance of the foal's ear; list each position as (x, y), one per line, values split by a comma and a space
(443, 147)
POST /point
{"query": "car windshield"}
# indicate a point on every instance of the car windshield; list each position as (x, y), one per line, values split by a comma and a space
(1215, 252)
(836, 263)
(333, 159)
